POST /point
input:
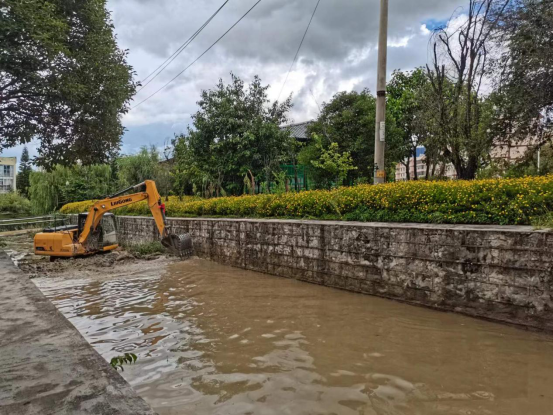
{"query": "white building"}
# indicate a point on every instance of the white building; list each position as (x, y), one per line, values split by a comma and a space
(507, 151)
(401, 170)
(8, 174)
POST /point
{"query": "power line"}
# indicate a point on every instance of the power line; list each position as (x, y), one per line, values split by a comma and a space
(199, 57)
(181, 48)
(185, 44)
(299, 48)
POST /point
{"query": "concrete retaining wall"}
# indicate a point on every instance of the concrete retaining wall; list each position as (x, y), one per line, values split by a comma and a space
(496, 272)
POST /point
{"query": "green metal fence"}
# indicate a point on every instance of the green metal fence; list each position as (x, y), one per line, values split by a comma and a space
(298, 176)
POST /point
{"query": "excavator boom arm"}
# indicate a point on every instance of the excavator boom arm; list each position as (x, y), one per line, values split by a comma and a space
(147, 191)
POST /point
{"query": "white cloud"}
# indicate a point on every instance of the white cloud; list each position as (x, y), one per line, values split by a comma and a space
(400, 42)
(424, 30)
(338, 53)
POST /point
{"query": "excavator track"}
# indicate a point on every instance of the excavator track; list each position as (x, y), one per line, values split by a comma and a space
(179, 245)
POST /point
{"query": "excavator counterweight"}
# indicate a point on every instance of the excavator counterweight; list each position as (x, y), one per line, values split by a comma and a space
(96, 230)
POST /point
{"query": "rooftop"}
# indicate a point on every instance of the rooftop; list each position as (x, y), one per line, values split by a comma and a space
(12, 161)
(299, 130)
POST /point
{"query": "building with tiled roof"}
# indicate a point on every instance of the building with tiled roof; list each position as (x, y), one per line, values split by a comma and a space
(299, 131)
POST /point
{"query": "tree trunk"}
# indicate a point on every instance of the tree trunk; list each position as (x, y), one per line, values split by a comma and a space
(442, 169)
(268, 180)
(468, 172)
(253, 184)
(428, 163)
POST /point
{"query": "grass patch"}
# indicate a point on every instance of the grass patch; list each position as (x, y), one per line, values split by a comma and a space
(146, 249)
(543, 222)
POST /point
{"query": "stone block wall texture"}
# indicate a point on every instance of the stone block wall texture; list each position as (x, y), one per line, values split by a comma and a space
(496, 272)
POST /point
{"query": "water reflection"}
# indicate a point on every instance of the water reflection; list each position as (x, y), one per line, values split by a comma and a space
(217, 340)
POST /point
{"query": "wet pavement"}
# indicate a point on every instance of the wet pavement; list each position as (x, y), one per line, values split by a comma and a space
(212, 339)
(46, 367)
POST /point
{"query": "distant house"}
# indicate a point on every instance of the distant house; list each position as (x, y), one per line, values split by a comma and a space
(506, 151)
(513, 152)
(297, 174)
(8, 174)
(299, 131)
(447, 171)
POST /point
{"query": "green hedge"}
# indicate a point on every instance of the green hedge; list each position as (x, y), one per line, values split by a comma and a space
(498, 201)
(14, 203)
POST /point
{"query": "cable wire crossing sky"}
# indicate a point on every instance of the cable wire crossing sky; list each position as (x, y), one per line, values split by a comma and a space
(178, 55)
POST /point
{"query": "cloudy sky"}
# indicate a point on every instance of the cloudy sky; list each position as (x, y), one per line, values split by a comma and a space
(339, 53)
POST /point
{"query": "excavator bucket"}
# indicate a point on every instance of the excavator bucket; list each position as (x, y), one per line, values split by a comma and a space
(179, 245)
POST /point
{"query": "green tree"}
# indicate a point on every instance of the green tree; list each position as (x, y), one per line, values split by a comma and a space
(234, 132)
(524, 95)
(24, 173)
(147, 164)
(185, 170)
(528, 165)
(135, 168)
(349, 121)
(12, 204)
(63, 80)
(407, 101)
(329, 165)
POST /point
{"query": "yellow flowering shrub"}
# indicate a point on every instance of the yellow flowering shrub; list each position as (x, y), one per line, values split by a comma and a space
(138, 209)
(492, 201)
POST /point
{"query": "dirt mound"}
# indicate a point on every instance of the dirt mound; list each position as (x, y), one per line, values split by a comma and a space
(118, 263)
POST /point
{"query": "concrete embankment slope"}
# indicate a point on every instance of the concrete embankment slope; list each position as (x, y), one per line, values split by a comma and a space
(46, 366)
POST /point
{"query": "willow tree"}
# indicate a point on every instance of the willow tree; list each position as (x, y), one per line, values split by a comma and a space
(49, 191)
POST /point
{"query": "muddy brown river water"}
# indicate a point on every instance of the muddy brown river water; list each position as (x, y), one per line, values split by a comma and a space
(211, 339)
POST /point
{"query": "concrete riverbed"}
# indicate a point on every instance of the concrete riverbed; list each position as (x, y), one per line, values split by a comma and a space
(212, 339)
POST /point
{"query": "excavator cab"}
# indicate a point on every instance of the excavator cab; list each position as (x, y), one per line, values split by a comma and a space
(105, 235)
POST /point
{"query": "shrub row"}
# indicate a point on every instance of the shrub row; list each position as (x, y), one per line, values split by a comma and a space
(138, 209)
(493, 201)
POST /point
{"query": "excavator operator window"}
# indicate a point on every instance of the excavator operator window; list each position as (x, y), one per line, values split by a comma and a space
(109, 230)
(80, 222)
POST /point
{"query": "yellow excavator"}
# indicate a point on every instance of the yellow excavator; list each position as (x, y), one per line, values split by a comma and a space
(96, 230)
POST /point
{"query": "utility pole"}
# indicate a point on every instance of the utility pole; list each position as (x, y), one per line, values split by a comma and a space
(380, 137)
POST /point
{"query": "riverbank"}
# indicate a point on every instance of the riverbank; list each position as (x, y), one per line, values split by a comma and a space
(214, 339)
(499, 273)
(46, 366)
(19, 247)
